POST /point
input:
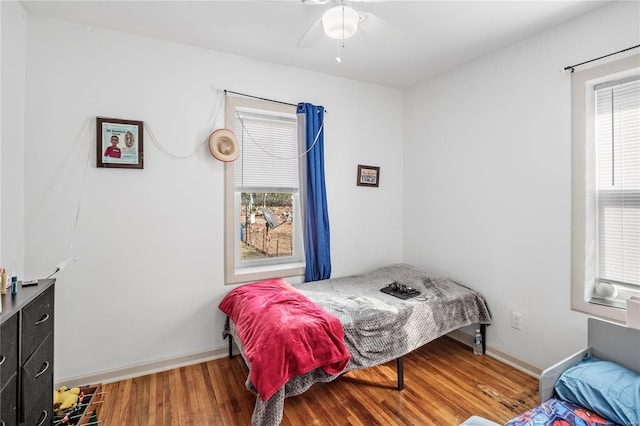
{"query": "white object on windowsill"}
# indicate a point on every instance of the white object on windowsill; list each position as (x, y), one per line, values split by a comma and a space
(606, 290)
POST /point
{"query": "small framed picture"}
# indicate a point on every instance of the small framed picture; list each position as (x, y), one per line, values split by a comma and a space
(368, 175)
(119, 143)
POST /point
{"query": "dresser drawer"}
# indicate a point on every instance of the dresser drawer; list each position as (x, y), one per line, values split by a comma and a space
(39, 417)
(9, 402)
(37, 322)
(37, 381)
(8, 349)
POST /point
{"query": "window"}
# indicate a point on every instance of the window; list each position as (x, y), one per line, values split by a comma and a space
(262, 193)
(606, 188)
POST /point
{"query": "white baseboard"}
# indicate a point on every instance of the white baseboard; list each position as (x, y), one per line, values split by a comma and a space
(501, 356)
(144, 368)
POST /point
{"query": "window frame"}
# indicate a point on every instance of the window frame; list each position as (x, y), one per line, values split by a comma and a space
(582, 248)
(234, 273)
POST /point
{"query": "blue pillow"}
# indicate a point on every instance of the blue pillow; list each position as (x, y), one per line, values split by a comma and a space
(604, 387)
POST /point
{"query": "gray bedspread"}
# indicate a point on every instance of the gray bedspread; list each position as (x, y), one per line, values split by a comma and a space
(378, 327)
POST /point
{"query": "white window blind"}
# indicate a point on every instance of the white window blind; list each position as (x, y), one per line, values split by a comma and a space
(618, 181)
(268, 160)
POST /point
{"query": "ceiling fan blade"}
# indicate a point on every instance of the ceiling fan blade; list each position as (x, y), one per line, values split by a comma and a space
(312, 36)
(378, 28)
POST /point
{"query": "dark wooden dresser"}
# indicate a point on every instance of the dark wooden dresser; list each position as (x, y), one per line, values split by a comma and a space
(26, 356)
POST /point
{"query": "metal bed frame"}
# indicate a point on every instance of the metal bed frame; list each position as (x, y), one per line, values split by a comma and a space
(399, 360)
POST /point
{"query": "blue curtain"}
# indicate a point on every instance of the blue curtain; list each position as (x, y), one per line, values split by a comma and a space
(317, 242)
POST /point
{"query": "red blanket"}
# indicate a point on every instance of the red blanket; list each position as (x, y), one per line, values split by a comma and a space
(284, 334)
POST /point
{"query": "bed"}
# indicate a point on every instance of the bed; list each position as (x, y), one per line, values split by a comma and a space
(599, 385)
(377, 327)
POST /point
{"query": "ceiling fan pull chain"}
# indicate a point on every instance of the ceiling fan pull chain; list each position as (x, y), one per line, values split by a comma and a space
(338, 58)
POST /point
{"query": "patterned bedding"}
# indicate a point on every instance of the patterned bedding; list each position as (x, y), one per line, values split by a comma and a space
(555, 412)
(378, 327)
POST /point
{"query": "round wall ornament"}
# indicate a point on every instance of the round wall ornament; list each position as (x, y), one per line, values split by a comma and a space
(223, 145)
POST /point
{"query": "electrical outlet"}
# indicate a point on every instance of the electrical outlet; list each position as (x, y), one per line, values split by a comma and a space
(516, 320)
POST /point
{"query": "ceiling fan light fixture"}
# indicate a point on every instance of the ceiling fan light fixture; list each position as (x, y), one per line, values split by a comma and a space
(340, 22)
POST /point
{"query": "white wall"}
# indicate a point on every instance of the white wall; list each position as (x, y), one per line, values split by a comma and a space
(12, 170)
(487, 179)
(149, 243)
(487, 202)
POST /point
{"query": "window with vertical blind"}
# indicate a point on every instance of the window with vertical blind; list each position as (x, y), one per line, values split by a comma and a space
(606, 187)
(263, 192)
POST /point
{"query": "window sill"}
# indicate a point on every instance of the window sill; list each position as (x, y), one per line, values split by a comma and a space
(600, 310)
(608, 302)
(257, 273)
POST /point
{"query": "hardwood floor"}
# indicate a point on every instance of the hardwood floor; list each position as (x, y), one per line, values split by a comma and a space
(445, 383)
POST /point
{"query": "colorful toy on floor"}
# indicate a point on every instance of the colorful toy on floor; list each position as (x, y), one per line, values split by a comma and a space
(65, 399)
(84, 411)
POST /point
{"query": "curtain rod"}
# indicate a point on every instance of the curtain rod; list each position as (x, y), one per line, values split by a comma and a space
(258, 97)
(572, 67)
(263, 99)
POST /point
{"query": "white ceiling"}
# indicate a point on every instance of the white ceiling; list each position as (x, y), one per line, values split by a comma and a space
(433, 36)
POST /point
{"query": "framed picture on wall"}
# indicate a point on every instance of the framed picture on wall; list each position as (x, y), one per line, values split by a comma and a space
(368, 175)
(119, 143)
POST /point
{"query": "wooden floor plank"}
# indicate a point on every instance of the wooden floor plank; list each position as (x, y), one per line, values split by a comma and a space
(445, 383)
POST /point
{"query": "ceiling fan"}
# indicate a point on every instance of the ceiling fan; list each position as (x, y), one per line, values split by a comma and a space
(341, 21)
